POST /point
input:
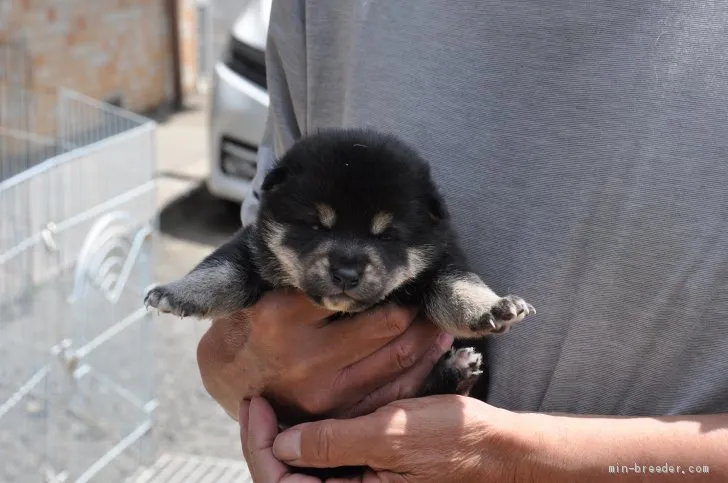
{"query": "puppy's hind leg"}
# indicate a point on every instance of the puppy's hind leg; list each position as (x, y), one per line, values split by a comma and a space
(462, 304)
(223, 283)
(455, 373)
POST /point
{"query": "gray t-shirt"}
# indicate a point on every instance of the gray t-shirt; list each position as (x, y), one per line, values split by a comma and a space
(583, 150)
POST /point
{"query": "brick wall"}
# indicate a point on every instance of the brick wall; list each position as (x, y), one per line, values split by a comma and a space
(188, 43)
(102, 48)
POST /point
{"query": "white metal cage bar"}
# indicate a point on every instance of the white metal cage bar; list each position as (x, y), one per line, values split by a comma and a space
(76, 255)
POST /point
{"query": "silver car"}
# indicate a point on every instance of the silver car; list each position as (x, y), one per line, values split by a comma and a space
(239, 104)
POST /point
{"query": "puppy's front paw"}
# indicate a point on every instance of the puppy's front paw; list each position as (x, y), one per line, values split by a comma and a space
(165, 299)
(503, 314)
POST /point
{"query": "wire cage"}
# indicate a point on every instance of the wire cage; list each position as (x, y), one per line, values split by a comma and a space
(77, 226)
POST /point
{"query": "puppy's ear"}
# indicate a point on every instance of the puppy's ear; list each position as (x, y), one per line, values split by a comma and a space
(274, 178)
(436, 208)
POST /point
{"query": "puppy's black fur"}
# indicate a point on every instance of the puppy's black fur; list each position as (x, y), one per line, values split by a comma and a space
(353, 219)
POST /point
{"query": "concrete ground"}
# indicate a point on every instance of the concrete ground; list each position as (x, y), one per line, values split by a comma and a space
(192, 223)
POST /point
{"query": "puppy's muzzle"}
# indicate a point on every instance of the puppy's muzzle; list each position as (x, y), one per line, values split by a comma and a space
(346, 271)
(346, 278)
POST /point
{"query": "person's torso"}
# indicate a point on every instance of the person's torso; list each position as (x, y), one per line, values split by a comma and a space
(582, 148)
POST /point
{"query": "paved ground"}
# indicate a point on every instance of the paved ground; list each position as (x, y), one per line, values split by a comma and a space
(192, 224)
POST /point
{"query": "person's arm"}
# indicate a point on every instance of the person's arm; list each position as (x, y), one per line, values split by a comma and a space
(455, 439)
(285, 62)
(570, 448)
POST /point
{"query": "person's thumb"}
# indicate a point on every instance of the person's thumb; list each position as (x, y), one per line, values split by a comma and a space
(327, 444)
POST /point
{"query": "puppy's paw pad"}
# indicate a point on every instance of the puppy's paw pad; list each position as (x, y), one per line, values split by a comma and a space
(505, 312)
(467, 363)
(164, 300)
(465, 359)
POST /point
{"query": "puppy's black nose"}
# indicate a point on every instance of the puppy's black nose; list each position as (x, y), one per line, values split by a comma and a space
(345, 277)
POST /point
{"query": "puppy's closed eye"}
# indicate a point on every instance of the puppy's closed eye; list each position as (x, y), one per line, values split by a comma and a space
(388, 235)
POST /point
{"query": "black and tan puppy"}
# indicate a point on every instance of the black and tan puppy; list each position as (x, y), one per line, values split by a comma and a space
(353, 219)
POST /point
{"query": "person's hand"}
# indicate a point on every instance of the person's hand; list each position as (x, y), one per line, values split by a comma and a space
(283, 349)
(437, 438)
(258, 429)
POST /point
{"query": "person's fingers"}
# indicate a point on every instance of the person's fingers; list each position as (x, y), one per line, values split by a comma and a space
(371, 477)
(261, 430)
(243, 418)
(298, 478)
(360, 336)
(401, 353)
(406, 385)
(333, 442)
(380, 323)
(380, 369)
(288, 307)
(383, 477)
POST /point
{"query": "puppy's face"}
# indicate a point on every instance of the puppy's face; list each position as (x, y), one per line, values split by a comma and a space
(349, 217)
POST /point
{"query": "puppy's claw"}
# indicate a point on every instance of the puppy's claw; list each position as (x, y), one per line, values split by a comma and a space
(503, 314)
(166, 300)
(468, 364)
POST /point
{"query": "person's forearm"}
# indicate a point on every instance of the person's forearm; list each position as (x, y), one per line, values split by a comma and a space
(569, 448)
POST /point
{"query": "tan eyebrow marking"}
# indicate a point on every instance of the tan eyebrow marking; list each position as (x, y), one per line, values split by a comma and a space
(326, 214)
(380, 222)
